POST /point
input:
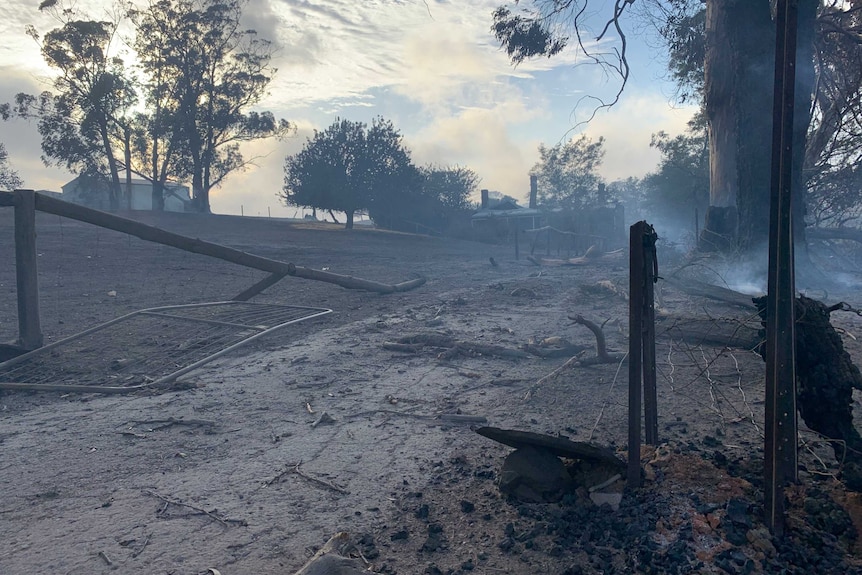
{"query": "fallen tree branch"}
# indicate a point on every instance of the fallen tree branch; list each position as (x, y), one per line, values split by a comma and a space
(533, 388)
(719, 331)
(438, 419)
(297, 471)
(602, 355)
(70, 388)
(211, 515)
(717, 293)
(453, 347)
(165, 423)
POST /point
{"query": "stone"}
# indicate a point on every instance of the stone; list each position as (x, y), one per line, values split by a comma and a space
(612, 499)
(534, 475)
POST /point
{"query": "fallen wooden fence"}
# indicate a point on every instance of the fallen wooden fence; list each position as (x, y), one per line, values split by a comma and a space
(27, 203)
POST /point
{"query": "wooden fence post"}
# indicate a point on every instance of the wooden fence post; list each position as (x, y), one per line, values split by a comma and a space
(26, 271)
(642, 275)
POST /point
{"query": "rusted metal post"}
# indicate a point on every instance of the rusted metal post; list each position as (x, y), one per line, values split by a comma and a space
(780, 434)
(649, 376)
(26, 272)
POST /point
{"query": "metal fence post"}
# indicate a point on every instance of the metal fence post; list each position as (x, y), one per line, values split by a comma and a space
(779, 467)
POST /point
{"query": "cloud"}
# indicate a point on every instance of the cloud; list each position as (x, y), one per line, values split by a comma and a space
(483, 140)
(627, 129)
(254, 192)
(432, 66)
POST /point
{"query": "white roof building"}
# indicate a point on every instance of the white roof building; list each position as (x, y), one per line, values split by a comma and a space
(177, 196)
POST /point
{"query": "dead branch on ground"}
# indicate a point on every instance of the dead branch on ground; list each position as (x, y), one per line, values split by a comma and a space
(717, 293)
(452, 347)
(602, 356)
(439, 419)
(165, 423)
(316, 480)
(168, 501)
(68, 388)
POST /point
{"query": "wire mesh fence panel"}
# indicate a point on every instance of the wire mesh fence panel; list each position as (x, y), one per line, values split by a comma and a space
(151, 346)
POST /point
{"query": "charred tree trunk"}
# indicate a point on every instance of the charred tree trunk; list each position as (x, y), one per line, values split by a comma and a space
(740, 37)
(738, 75)
(114, 190)
(805, 93)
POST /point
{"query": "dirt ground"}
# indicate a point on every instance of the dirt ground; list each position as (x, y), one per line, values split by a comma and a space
(228, 474)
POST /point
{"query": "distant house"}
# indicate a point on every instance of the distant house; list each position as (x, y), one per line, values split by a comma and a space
(503, 212)
(177, 196)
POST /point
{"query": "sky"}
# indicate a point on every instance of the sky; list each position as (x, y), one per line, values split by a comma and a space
(432, 67)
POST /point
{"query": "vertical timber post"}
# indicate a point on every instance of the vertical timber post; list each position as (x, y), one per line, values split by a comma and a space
(29, 326)
(517, 252)
(642, 275)
(780, 463)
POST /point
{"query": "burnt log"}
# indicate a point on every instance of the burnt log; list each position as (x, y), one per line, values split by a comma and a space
(720, 332)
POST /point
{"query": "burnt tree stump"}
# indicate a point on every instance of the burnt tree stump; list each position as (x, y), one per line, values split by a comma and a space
(826, 377)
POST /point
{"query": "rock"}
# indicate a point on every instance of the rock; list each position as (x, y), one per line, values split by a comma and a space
(612, 499)
(761, 540)
(738, 512)
(535, 475)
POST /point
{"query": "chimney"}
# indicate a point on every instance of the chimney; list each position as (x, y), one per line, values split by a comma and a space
(602, 194)
(484, 205)
(534, 190)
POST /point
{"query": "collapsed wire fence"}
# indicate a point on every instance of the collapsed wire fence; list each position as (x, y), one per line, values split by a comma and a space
(148, 348)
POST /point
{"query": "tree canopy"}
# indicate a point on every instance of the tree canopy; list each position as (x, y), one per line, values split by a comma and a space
(79, 122)
(678, 189)
(9, 179)
(349, 167)
(200, 74)
(442, 195)
(203, 72)
(566, 173)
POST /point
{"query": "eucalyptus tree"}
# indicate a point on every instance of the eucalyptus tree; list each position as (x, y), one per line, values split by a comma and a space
(81, 120)
(205, 71)
(567, 173)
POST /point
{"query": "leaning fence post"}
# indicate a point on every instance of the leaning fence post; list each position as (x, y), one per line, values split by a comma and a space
(29, 326)
(642, 274)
